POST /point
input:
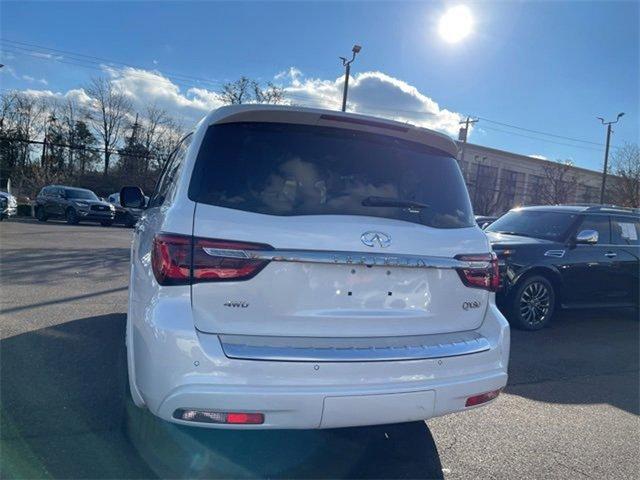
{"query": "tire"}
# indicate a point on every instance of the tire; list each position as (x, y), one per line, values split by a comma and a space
(40, 215)
(106, 223)
(71, 216)
(533, 303)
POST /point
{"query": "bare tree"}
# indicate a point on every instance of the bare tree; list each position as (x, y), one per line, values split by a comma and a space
(70, 114)
(153, 123)
(560, 183)
(625, 189)
(245, 90)
(167, 139)
(110, 109)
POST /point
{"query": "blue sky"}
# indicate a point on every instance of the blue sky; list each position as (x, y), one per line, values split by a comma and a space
(547, 66)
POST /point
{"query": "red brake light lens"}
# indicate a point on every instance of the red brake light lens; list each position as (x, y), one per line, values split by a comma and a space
(184, 260)
(486, 275)
(212, 262)
(171, 259)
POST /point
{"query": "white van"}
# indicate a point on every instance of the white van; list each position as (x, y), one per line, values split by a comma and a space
(300, 268)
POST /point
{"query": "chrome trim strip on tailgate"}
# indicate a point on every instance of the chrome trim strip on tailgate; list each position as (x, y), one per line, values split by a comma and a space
(348, 258)
(372, 349)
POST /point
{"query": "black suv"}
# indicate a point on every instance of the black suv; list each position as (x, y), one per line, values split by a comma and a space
(565, 256)
(73, 204)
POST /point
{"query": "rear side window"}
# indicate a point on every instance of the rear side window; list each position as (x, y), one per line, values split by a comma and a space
(599, 223)
(284, 169)
(625, 230)
(169, 174)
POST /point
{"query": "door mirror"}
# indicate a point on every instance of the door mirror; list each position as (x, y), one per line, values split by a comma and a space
(588, 237)
(132, 197)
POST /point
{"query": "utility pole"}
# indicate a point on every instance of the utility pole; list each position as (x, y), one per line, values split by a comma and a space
(464, 134)
(347, 70)
(606, 154)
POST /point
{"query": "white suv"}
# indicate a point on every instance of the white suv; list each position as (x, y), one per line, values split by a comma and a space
(300, 268)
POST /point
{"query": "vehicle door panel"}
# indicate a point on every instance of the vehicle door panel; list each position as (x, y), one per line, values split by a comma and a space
(625, 234)
(586, 269)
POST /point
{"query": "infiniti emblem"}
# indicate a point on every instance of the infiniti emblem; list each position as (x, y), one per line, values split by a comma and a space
(372, 239)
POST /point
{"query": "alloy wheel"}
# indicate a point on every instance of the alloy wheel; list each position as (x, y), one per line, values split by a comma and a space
(535, 303)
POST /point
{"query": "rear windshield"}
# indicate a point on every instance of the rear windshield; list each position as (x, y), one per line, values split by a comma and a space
(283, 169)
(534, 223)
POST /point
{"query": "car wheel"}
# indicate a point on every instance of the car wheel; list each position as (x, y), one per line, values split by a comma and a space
(71, 216)
(106, 223)
(533, 303)
(40, 215)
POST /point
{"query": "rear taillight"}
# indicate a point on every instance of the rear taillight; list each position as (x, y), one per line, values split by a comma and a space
(184, 260)
(222, 260)
(171, 259)
(482, 271)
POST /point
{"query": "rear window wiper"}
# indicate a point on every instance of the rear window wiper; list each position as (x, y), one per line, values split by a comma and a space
(393, 202)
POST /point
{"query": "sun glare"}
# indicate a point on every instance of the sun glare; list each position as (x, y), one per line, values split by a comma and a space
(456, 24)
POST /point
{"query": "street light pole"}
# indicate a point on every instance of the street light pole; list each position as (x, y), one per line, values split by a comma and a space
(347, 70)
(606, 154)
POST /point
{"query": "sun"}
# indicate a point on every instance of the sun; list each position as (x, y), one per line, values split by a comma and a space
(456, 24)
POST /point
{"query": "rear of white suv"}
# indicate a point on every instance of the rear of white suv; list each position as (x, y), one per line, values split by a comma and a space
(299, 268)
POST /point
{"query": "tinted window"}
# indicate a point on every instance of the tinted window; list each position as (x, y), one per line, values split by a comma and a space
(78, 194)
(625, 230)
(170, 173)
(534, 223)
(283, 169)
(599, 223)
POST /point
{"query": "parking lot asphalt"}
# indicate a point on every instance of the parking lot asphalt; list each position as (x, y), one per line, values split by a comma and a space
(571, 408)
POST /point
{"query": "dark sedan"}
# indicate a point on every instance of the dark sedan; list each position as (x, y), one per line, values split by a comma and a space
(565, 256)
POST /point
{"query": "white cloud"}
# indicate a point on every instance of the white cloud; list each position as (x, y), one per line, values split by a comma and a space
(10, 71)
(538, 156)
(47, 55)
(31, 79)
(145, 88)
(373, 93)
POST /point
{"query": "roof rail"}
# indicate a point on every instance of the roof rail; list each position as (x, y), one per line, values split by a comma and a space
(596, 207)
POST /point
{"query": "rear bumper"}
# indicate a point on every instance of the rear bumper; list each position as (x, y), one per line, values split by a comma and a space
(172, 366)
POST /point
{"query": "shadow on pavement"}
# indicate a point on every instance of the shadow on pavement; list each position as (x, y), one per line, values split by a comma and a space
(34, 266)
(577, 349)
(64, 415)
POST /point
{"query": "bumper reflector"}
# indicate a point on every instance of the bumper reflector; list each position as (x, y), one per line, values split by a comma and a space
(482, 398)
(206, 416)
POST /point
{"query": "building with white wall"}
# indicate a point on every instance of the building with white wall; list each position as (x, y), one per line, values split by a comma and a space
(499, 180)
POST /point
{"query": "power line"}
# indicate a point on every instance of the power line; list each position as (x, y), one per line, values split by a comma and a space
(76, 147)
(541, 133)
(544, 139)
(96, 66)
(99, 60)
